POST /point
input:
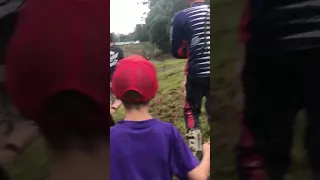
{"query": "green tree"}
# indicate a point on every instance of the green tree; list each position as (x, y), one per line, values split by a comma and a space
(157, 23)
(123, 37)
(141, 33)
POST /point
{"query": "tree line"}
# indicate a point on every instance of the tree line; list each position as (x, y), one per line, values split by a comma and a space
(157, 23)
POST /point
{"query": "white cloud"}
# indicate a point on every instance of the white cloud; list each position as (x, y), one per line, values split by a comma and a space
(125, 14)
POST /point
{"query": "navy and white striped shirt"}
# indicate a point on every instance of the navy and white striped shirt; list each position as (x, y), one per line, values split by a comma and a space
(284, 25)
(190, 38)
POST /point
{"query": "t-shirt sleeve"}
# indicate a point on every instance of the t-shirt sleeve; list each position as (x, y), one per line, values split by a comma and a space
(182, 160)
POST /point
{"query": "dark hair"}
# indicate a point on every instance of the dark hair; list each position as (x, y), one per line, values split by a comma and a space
(130, 97)
(111, 37)
(72, 120)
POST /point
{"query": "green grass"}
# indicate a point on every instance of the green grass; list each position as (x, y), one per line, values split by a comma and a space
(224, 92)
(31, 164)
(136, 49)
(167, 106)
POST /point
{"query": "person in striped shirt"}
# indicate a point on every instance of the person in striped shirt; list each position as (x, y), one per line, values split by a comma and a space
(190, 39)
(279, 77)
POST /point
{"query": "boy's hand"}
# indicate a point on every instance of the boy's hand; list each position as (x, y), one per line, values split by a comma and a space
(206, 149)
(203, 170)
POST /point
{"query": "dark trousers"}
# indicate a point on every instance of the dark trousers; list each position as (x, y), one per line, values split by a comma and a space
(276, 87)
(196, 90)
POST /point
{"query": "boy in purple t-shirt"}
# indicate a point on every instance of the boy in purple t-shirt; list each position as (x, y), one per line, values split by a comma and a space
(143, 147)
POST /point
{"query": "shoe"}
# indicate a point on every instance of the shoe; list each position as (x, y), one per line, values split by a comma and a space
(194, 140)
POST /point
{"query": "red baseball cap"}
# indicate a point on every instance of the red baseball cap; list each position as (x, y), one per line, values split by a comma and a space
(135, 73)
(59, 46)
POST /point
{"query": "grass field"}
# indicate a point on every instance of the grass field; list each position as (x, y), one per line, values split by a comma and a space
(167, 106)
(224, 22)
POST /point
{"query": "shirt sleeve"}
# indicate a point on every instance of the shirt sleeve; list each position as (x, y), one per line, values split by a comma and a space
(182, 160)
(178, 37)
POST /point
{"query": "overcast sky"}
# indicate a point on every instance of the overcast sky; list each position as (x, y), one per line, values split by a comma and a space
(125, 14)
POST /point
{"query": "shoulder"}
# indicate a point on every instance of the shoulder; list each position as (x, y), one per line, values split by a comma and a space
(203, 7)
(178, 17)
(196, 12)
(112, 47)
(119, 49)
(115, 129)
(164, 124)
(116, 47)
(165, 127)
(115, 132)
(169, 129)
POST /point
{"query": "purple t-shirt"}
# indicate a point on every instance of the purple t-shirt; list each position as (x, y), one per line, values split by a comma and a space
(149, 150)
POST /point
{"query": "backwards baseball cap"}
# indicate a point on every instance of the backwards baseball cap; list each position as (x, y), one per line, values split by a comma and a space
(62, 54)
(135, 73)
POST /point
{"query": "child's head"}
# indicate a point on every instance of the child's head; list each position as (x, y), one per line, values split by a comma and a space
(135, 82)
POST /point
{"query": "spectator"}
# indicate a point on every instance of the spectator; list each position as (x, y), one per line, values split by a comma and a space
(9, 116)
(116, 54)
(281, 68)
(56, 74)
(190, 39)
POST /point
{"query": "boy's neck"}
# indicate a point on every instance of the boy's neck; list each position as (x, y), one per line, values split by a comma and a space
(81, 166)
(141, 114)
